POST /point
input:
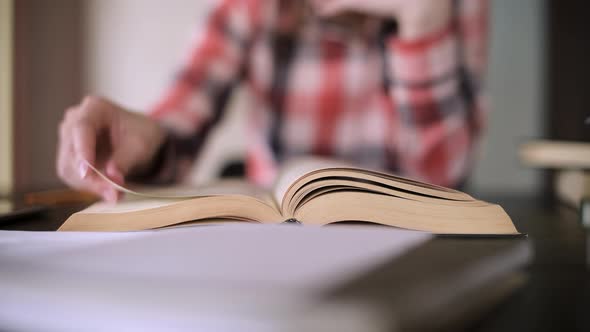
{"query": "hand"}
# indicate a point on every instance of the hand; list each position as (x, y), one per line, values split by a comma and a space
(102, 134)
(416, 18)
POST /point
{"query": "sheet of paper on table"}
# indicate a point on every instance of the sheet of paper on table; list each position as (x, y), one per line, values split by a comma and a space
(246, 277)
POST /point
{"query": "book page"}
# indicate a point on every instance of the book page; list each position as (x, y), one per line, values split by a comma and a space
(128, 204)
(296, 168)
(313, 169)
(178, 192)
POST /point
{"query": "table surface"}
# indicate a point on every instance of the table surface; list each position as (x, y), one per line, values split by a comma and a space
(556, 296)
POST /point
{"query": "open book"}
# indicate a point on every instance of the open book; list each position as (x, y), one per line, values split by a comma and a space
(310, 192)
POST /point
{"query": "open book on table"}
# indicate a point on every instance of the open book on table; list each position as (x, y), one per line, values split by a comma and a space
(307, 191)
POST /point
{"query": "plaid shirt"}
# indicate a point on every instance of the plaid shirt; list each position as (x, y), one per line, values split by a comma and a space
(410, 107)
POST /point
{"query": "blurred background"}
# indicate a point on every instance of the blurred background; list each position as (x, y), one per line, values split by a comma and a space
(54, 52)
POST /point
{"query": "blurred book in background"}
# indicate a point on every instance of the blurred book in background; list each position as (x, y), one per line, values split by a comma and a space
(571, 162)
(572, 186)
(556, 154)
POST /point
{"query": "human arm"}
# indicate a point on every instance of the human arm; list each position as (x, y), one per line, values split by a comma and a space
(195, 100)
(124, 144)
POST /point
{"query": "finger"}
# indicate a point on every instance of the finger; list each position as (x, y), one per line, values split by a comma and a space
(99, 186)
(121, 160)
(69, 167)
(84, 143)
(109, 192)
(114, 173)
(64, 158)
(95, 116)
(68, 173)
(111, 195)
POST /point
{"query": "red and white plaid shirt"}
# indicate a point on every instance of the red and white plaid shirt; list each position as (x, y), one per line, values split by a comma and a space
(410, 107)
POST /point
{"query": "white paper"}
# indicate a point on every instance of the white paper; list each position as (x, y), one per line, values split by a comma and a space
(196, 275)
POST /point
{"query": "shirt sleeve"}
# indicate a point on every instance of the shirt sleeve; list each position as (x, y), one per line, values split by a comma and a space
(436, 89)
(196, 98)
